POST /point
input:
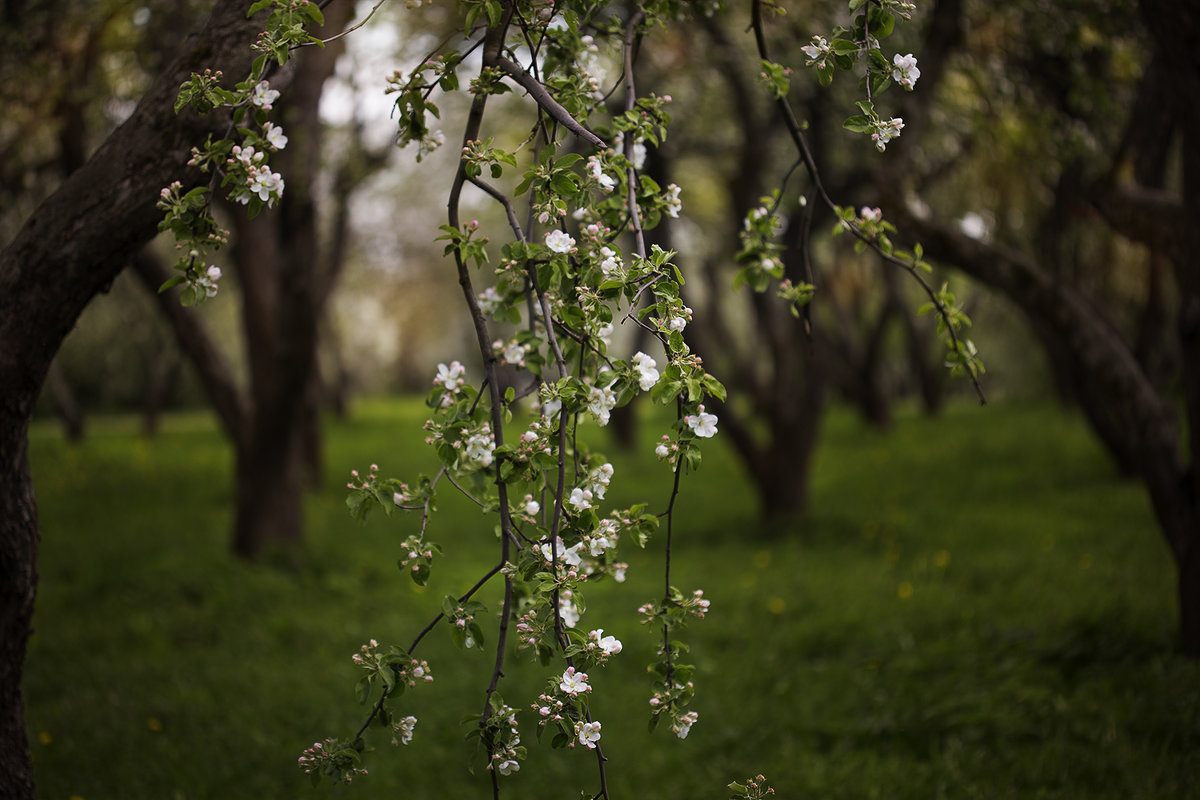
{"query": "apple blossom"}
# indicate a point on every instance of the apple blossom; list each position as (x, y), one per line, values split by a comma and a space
(885, 131)
(611, 645)
(266, 184)
(817, 52)
(904, 70)
(580, 499)
(559, 241)
(263, 95)
(601, 403)
(611, 263)
(275, 136)
(647, 371)
(589, 734)
(405, 728)
(702, 424)
(574, 683)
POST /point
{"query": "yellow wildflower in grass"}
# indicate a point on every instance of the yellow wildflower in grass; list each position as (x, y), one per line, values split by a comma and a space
(904, 590)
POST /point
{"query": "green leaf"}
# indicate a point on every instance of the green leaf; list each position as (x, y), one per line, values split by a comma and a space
(858, 124)
(178, 279)
(493, 13)
(362, 690)
(313, 12)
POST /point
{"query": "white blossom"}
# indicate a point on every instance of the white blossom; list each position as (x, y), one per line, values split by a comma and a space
(450, 377)
(514, 353)
(607, 182)
(672, 201)
(405, 729)
(589, 734)
(559, 241)
(610, 263)
(263, 95)
(567, 610)
(702, 424)
(647, 371)
(573, 682)
(274, 136)
(609, 644)
(568, 555)
(479, 446)
(904, 70)
(885, 131)
(601, 402)
(817, 52)
(580, 499)
(489, 300)
(684, 724)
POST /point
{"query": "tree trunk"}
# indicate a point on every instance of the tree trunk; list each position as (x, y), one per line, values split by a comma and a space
(285, 281)
(73, 245)
(783, 474)
(215, 374)
(1138, 425)
(18, 582)
(1189, 600)
(161, 372)
(64, 401)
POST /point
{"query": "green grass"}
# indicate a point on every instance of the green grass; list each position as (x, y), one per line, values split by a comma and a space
(976, 608)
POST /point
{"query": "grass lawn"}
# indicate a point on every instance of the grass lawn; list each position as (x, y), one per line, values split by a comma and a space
(975, 608)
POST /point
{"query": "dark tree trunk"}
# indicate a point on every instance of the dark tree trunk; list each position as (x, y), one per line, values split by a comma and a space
(215, 374)
(18, 582)
(1137, 424)
(782, 473)
(161, 372)
(275, 424)
(63, 398)
(74, 244)
(285, 279)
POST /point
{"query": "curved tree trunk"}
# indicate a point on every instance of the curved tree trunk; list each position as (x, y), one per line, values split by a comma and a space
(70, 248)
(1139, 425)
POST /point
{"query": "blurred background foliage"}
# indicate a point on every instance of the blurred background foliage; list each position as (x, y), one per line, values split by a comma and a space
(1032, 96)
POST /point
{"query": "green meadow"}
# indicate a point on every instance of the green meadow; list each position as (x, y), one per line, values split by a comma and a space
(977, 606)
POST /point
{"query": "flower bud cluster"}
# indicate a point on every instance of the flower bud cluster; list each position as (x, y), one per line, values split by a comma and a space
(504, 740)
(474, 444)
(333, 759)
(396, 661)
(402, 730)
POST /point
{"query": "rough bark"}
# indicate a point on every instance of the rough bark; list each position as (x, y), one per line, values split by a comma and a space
(73, 245)
(1175, 31)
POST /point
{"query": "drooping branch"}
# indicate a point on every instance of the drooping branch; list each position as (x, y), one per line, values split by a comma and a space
(544, 99)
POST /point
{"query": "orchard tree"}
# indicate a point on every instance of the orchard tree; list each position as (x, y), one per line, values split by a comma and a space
(69, 249)
(1110, 96)
(286, 271)
(575, 261)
